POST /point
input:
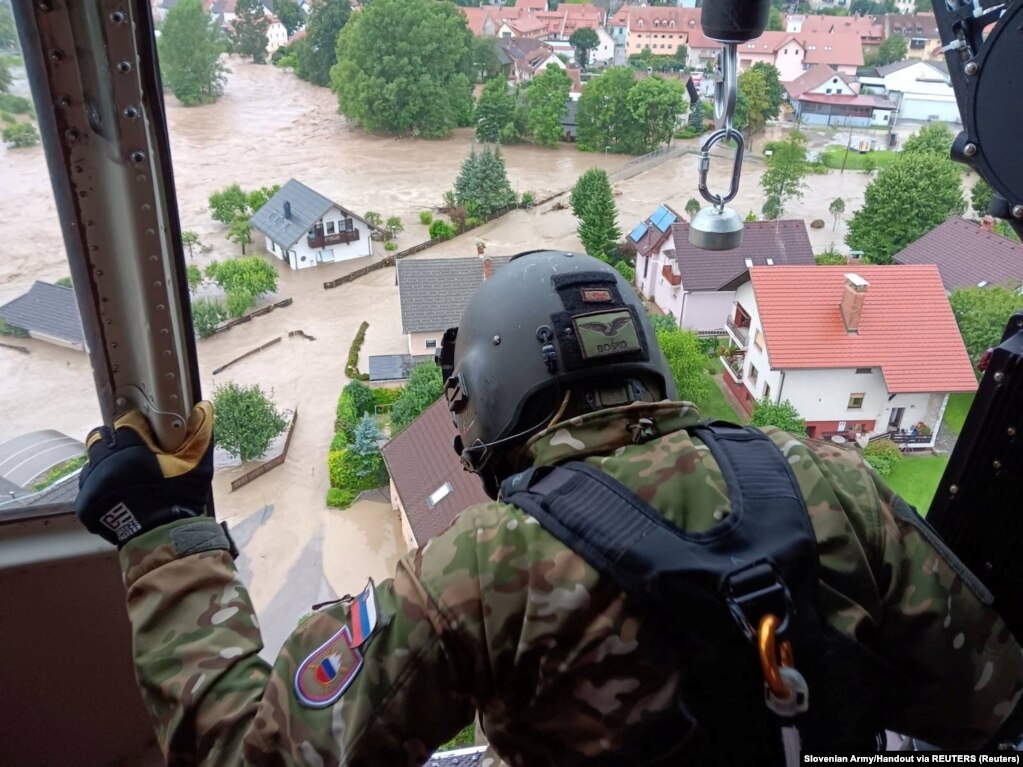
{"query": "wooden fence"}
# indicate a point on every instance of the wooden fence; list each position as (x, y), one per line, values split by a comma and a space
(248, 317)
(273, 463)
(21, 349)
(249, 353)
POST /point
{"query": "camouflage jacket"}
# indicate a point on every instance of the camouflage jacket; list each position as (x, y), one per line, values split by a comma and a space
(496, 615)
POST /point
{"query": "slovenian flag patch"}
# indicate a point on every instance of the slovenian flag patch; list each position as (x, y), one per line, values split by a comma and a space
(330, 669)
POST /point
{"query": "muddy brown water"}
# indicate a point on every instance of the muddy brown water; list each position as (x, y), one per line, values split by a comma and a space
(267, 128)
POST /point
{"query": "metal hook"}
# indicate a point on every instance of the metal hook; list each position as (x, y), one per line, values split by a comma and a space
(720, 135)
(726, 86)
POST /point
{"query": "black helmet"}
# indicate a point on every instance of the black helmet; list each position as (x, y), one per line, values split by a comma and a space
(544, 323)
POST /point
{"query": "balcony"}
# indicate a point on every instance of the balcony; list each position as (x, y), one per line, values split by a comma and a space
(739, 333)
(325, 240)
(669, 274)
(733, 362)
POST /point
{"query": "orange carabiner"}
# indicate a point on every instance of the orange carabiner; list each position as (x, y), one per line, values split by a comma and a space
(770, 656)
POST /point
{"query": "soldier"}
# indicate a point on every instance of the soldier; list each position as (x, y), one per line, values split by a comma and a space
(554, 361)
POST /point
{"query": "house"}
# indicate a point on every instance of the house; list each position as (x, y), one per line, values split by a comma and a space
(920, 31)
(921, 89)
(48, 313)
(525, 26)
(276, 35)
(791, 53)
(697, 286)
(822, 96)
(967, 254)
(429, 486)
(651, 238)
(526, 57)
(869, 28)
(433, 293)
(659, 29)
(859, 354)
(303, 228)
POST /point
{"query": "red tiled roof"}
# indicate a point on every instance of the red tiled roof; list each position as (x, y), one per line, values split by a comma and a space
(420, 460)
(784, 242)
(966, 254)
(816, 75)
(906, 327)
(836, 49)
(869, 28)
(651, 18)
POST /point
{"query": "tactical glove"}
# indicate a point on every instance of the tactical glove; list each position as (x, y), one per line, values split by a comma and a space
(130, 485)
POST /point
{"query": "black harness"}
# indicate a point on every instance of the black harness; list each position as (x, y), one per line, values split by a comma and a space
(706, 593)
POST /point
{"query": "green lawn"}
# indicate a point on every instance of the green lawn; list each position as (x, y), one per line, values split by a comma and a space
(955, 413)
(916, 478)
(833, 158)
(715, 405)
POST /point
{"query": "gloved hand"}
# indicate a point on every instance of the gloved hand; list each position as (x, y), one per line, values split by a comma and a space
(130, 486)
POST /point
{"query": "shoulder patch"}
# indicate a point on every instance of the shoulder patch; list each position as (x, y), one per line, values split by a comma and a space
(604, 333)
(330, 669)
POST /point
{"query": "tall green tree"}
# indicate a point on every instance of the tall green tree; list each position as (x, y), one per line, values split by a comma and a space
(546, 97)
(686, 361)
(893, 49)
(692, 207)
(317, 54)
(934, 138)
(228, 204)
(494, 110)
(982, 314)
(6, 80)
(482, 186)
(423, 85)
(484, 58)
(190, 46)
(760, 97)
(290, 14)
(836, 209)
(783, 179)
(250, 27)
(240, 232)
(190, 240)
(656, 104)
(8, 32)
(907, 199)
(775, 23)
(980, 197)
(583, 40)
(594, 205)
(246, 420)
(251, 275)
(605, 121)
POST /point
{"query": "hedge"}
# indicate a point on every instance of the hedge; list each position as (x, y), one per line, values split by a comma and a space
(384, 396)
(352, 368)
(883, 455)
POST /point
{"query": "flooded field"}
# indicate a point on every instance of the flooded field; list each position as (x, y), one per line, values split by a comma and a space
(267, 128)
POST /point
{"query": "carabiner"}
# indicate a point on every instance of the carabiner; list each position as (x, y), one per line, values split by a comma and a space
(720, 135)
(771, 657)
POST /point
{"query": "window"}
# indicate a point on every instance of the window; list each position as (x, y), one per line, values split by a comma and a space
(856, 401)
(753, 373)
(828, 90)
(864, 371)
(431, 344)
(767, 391)
(439, 494)
(758, 340)
(330, 227)
(349, 225)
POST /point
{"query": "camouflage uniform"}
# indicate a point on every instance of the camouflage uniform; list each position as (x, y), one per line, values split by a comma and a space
(497, 615)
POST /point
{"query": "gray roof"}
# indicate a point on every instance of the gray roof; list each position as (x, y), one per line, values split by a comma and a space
(394, 367)
(49, 310)
(64, 491)
(435, 291)
(462, 757)
(784, 242)
(938, 66)
(307, 207)
(966, 254)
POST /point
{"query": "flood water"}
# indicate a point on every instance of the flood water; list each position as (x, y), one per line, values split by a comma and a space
(269, 127)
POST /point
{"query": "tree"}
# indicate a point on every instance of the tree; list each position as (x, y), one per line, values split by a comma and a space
(482, 186)
(365, 451)
(934, 138)
(593, 204)
(781, 414)
(423, 389)
(836, 209)
(317, 54)
(5, 77)
(914, 194)
(251, 275)
(495, 110)
(190, 240)
(783, 178)
(8, 32)
(246, 420)
(761, 93)
(250, 28)
(484, 58)
(194, 276)
(605, 121)
(257, 198)
(373, 218)
(656, 104)
(356, 400)
(206, 315)
(546, 97)
(583, 40)
(893, 49)
(980, 197)
(190, 45)
(775, 23)
(240, 232)
(20, 135)
(423, 86)
(692, 207)
(228, 204)
(830, 257)
(982, 314)
(291, 15)
(686, 361)
(394, 226)
(697, 118)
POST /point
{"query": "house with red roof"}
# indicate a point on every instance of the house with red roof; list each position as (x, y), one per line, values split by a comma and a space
(823, 96)
(696, 286)
(429, 486)
(967, 254)
(859, 351)
(869, 28)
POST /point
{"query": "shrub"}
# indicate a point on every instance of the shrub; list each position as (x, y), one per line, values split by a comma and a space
(352, 472)
(16, 104)
(473, 221)
(13, 331)
(383, 396)
(441, 230)
(356, 399)
(206, 316)
(817, 223)
(527, 199)
(8, 118)
(247, 420)
(352, 367)
(626, 271)
(20, 135)
(423, 389)
(882, 455)
(425, 217)
(239, 301)
(782, 414)
(830, 257)
(340, 442)
(390, 246)
(340, 499)
(59, 471)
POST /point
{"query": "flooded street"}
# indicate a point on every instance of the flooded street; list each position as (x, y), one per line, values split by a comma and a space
(267, 128)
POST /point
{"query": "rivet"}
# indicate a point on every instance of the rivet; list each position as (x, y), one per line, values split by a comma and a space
(117, 17)
(1017, 211)
(121, 401)
(999, 376)
(45, 7)
(497, 340)
(124, 67)
(970, 150)
(131, 112)
(953, 489)
(56, 55)
(177, 424)
(1011, 431)
(971, 68)
(72, 135)
(138, 157)
(64, 102)
(996, 465)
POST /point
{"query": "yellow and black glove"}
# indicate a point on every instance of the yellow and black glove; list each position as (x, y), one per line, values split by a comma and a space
(130, 486)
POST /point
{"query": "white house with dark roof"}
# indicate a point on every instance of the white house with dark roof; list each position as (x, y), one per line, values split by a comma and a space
(694, 285)
(49, 313)
(651, 237)
(303, 228)
(434, 292)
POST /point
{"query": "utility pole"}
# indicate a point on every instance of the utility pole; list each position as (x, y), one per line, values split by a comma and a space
(845, 159)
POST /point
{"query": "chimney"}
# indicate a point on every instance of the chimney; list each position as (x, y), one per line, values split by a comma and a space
(987, 223)
(487, 269)
(287, 209)
(852, 301)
